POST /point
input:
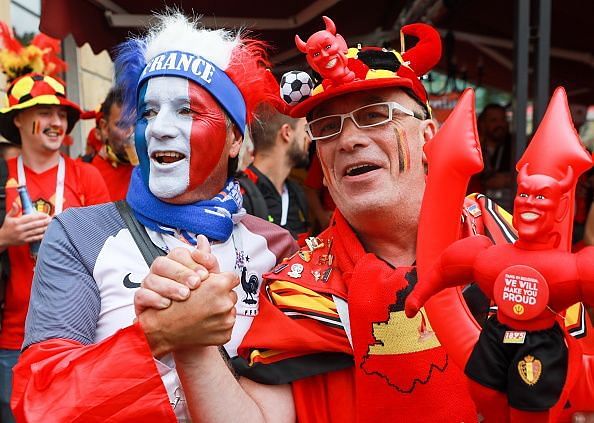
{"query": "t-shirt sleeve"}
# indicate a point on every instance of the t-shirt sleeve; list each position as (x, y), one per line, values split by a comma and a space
(65, 300)
(92, 185)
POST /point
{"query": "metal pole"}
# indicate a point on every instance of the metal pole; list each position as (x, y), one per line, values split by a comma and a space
(543, 51)
(520, 91)
(73, 90)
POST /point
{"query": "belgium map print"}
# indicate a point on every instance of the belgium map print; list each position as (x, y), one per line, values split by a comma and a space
(388, 357)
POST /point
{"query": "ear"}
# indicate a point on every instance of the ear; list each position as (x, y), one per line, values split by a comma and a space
(285, 132)
(102, 124)
(429, 129)
(562, 208)
(17, 121)
(236, 141)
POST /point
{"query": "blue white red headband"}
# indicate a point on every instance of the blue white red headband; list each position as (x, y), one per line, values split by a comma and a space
(204, 73)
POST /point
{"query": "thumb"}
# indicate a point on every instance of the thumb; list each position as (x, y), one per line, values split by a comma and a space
(14, 210)
(202, 255)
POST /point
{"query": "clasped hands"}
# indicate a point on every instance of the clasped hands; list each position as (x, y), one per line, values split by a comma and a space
(186, 302)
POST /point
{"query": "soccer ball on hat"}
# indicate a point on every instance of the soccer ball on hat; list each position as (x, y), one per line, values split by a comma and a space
(295, 86)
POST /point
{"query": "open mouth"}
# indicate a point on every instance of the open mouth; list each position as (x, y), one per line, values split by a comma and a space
(529, 216)
(53, 132)
(360, 169)
(331, 63)
(167, 157)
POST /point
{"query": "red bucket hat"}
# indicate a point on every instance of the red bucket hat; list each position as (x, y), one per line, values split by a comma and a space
(32, 90)
(344, 70)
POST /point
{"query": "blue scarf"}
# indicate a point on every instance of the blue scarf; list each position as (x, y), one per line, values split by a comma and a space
(211, 218)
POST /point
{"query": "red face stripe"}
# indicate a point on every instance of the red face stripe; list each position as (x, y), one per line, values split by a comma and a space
(208, 134)
(403, 149)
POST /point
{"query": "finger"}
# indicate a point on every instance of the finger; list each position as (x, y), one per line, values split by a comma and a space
(184, 257)
(145, 298)
(202, 254)
(32, 228)
(171, 269)
(166, 287)
(14, 210)
(38, 218)
(30, 239)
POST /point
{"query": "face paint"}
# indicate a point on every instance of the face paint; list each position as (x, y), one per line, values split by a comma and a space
(36, 127)
(403, 150)
(208, 135)
(180, 135)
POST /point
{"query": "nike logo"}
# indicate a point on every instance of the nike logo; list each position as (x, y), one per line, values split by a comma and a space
(128, 283)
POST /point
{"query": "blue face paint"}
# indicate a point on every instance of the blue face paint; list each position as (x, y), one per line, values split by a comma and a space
(140, 135)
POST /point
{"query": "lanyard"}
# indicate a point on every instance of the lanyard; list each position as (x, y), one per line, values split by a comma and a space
(59, 197)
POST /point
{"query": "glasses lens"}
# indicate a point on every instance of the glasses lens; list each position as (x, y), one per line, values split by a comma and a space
(374, 114)
(325, 127)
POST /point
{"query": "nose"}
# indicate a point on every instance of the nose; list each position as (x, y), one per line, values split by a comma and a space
(351, 137)
(161, 126)
(56, 118)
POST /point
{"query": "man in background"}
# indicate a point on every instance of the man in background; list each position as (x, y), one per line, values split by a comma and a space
(116, 158)
(280, 144)
(37, 118)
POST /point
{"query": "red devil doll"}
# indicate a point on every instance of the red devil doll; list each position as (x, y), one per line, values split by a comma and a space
(521, 368)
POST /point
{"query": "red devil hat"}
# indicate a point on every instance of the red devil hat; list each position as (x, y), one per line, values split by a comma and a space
(366, 68)
(554, 149)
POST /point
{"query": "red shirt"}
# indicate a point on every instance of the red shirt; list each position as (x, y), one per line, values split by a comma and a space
(83, 186)
(116, 178)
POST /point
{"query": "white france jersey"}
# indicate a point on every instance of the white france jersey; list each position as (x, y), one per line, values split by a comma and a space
(90, 267)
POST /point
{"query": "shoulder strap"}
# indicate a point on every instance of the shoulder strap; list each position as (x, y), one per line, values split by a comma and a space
(256, 203)
(4, 262)
(149, 250)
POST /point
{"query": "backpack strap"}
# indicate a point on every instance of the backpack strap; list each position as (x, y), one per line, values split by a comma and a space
(148, 250)
(254, 202)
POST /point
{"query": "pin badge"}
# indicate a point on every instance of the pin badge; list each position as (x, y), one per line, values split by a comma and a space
(313, 243)
(279, 268)
(296, 271)
(316, 274)
(305, 255)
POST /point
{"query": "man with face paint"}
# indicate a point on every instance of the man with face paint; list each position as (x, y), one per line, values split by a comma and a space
(116, 158)
(280, 144)
(37, 118)
(191, 93)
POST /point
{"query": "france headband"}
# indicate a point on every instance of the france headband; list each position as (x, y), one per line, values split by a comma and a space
(204, 73)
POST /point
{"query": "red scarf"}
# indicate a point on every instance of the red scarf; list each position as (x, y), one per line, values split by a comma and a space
(396, 375)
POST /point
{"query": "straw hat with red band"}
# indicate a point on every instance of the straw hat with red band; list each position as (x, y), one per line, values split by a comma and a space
(34, 90)
(367, 68)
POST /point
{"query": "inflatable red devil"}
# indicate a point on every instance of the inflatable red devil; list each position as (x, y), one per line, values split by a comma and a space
(523, 365)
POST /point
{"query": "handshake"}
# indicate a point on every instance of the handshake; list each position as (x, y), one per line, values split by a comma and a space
(186, 302)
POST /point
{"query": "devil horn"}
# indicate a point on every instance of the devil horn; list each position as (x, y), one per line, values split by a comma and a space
(330, 27)
(567, 181)
(427, 52)
(523, 173)
(301, 46)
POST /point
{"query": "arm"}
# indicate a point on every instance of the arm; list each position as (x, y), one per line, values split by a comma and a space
(454, 267)
(62, 372)
(214, 395)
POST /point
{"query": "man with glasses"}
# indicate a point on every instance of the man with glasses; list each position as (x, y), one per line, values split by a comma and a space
(331, 341)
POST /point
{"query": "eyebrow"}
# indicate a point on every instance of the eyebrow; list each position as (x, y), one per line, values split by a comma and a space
(179, 99)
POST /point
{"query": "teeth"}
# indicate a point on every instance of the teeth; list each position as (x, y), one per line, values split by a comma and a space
(529, 216)
(173, 154)
(350, 169)
(331, 63)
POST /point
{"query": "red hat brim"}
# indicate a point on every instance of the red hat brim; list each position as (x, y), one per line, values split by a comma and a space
(306, 106)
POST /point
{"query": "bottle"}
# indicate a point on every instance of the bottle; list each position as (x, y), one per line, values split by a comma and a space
(28, 208)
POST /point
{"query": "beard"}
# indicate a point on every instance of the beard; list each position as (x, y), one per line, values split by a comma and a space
(298, 157)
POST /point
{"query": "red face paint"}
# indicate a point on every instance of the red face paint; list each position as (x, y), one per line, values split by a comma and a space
(208, 135)
(403, 149)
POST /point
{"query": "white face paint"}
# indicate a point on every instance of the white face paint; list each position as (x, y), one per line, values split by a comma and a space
(167, 135)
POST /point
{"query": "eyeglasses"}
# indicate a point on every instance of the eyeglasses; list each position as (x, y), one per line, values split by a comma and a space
(363, 117)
